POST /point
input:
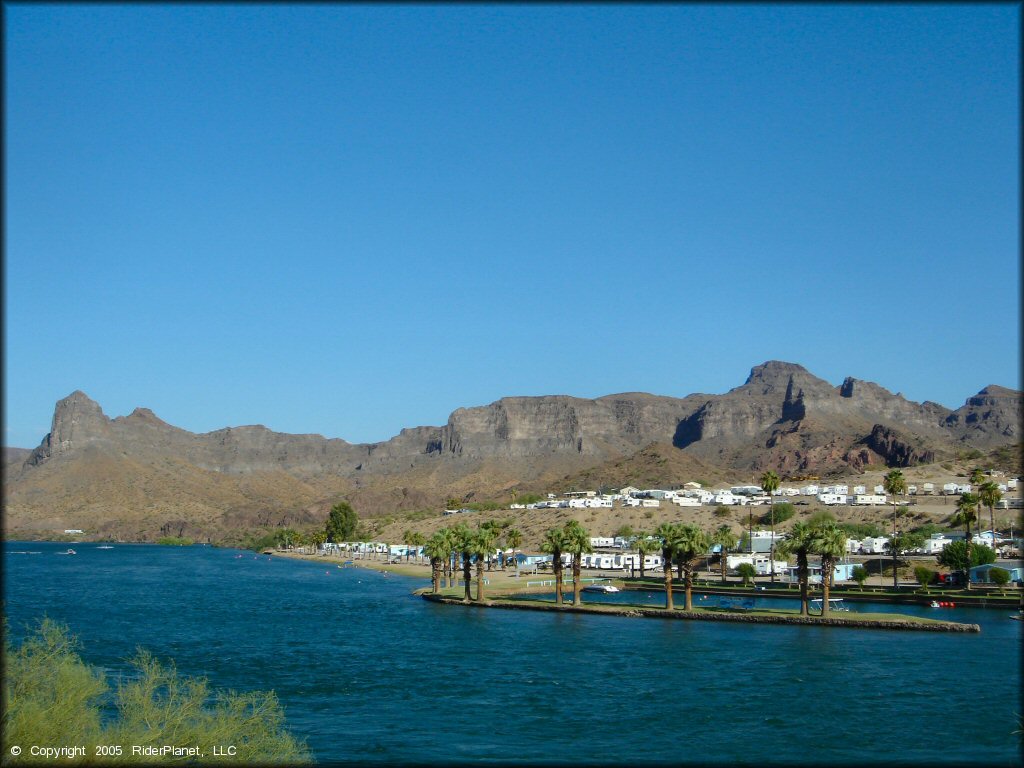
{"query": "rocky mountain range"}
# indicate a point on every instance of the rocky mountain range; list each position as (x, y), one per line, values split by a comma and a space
(139, 476)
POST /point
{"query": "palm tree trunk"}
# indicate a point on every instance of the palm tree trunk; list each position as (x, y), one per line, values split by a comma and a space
(667, 565)
(725, 579)
(435, 574)
(467, 575)
(895, 578)
(771, 544)
(688, 570)
(556, 563)
(967, 569)
(801, 565)
(479, 579)
(826, 567)
(576, 565)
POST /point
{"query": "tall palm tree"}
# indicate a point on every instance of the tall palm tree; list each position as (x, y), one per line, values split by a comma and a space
(966, 513)
(829, 542)
(464, 544)
(692, 545)
(895, 484)
(800, 542)
(554, 543)
(483, 545)
(644, 546)
(990, 495)
(727, 540)
(437, 549)
(770, 484)
(577, 542)
(449, 560)
(513, 540)
(407, 540)
(668, 535)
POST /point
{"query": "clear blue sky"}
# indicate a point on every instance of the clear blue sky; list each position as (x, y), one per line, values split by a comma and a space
(351, 219)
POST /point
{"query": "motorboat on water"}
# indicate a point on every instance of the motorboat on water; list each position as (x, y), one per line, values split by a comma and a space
(69, 552)
(105, 546)
(601, 588)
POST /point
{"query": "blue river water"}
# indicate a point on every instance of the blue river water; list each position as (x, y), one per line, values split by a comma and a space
(366, 672)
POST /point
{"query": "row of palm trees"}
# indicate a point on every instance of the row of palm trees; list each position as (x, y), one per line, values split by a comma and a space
(968, 511)
(460, 544)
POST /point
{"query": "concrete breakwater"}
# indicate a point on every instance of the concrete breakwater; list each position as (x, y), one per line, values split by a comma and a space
(660, 613)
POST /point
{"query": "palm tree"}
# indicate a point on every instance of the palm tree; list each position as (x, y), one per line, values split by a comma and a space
(449, 540)
(770, 484)
(966, 513)
(483, 545)
(800, 542)
(407, 540)
(464, 543)
(692, 544)
(513, 539)
(644, 546)
(577, 541)
(829, 542)
(437, 549)
(554, 543)
(990, 495)
(895, 484)
(727, 540)
(668, 534)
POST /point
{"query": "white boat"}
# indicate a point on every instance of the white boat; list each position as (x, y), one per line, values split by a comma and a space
(69, 552)
(600, 588)
(834, 604)
(105, 546)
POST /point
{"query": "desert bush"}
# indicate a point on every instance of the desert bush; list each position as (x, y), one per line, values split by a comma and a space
(783, 511)
(52, 697)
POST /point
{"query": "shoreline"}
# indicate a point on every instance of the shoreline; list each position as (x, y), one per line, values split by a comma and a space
(501, 598)
(679, 614)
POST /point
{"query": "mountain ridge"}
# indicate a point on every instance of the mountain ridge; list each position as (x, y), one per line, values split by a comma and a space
(782, 417)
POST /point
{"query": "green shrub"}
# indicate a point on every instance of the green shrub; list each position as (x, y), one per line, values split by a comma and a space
(723, 511)
(52, 697)
(819, 516)
(860, 575)
(924, 575)
(746, 570)
(1000, 577)
(175, 541)
(861, 530)
(783, 511)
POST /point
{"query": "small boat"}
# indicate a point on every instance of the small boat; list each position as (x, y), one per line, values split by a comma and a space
(105, 546)
(935, 604)
(1017, 616)
(69, 552)
(601, 588)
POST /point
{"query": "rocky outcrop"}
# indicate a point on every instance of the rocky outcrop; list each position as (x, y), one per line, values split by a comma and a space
(992, 417)
(886, 446)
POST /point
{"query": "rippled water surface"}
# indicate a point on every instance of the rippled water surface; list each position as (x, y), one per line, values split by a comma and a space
(367, 672)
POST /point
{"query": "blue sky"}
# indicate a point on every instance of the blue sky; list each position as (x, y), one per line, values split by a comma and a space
(351, 219)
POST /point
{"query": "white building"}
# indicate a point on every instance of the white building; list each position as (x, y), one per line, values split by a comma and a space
(728, 498)
(868, 499)
(809, 490)
(686, 501)
(928, 489)
(602, 541)
(832, 499)
(650, 503)
(936, 543)
(874, 545)
(761, 563)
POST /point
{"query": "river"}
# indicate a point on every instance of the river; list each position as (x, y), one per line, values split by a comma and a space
(367, 672)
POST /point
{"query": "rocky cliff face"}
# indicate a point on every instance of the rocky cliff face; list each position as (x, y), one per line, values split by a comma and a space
(782, 417)
(990, 418)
